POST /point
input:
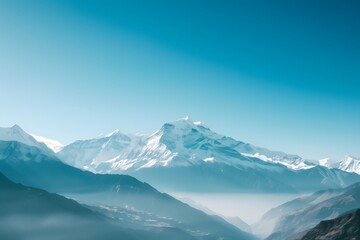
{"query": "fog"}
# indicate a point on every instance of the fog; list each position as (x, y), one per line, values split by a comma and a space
(166, 211)
(249, 207)
(55, 227)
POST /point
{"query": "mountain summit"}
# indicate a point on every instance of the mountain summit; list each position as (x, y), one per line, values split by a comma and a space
(347, 164)
(17, 134)
(180, 143)
(211, 161)
(54, 145)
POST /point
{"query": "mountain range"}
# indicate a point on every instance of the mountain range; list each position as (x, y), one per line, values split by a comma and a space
(30, 213)
(182, 143)
(293, 219)
(98, 181)
(212, 162)
(30, 166)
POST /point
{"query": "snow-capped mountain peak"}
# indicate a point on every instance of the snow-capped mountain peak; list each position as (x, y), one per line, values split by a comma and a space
(350, 164)
(186, 121)
(347, 164)
(183, 142)
(54, 145)
(17, 134)
(113, 133)
(187, 118)
(16, 127)
(328, 162)
(14, 133)
(186, 154)
(184, 135)
(185, 126)
(187, 135)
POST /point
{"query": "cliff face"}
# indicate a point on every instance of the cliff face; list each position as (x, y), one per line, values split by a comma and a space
(344, 227)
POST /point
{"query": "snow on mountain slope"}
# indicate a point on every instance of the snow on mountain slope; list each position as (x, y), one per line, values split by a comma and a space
(210, 161)
(88, 154)
(295, 163)
(180, 143)
(54, 145)
(16, 133)
(350, 164)
(328, 162)
(184, 143)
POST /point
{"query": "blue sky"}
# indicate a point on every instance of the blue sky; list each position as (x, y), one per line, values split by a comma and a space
(279, 74)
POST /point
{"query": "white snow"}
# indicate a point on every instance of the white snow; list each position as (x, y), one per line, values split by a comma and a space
(116, 131)
(210, 159)
(350, 164)
(54, 145)
(259, 156)
(181, 143)
(16, 133)
(328, 162)
(347, 164)
(295, 164)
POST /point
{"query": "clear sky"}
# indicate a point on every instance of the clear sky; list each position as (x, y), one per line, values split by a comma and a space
(279, 74)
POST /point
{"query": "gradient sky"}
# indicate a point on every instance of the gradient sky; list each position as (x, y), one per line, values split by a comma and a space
(280, 74)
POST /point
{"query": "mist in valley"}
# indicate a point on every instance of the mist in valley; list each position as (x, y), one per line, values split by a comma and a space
(248, 207)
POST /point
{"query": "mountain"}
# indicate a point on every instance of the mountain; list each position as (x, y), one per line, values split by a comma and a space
(239, 223)
(54, 145)
(31, 166)
(180, 143)
(211, 162)
(346, 226)
(236, 221)
(328, 162)
(30, 213)
(269, 220)
(292, 219)
(350, 164)
(88, 153)
(16, 133)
